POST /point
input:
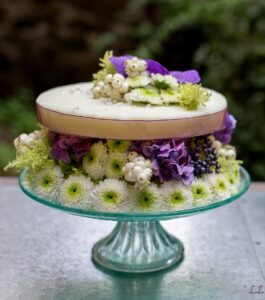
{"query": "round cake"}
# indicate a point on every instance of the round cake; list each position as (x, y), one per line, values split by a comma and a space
(72, 109)
(138, 138)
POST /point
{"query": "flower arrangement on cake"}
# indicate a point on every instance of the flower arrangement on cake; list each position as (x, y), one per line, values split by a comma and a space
(96, 168)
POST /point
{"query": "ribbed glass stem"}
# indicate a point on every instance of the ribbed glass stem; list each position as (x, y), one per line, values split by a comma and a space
(138, 247)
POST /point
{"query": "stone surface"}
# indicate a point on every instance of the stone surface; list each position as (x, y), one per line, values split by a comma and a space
(45, 254)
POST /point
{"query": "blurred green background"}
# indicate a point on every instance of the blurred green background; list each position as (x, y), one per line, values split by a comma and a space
(44, 44)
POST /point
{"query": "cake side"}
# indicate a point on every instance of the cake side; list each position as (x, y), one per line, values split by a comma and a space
(72, 110)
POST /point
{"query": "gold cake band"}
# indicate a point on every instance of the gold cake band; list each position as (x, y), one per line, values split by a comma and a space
(130, 129)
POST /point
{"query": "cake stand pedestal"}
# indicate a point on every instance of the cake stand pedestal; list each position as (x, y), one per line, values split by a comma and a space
(138, 247)
(138, 243)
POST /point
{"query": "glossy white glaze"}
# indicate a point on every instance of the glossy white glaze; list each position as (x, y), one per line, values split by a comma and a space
(77, 100)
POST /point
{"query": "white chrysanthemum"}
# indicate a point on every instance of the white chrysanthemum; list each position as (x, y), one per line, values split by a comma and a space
(170, 96)
(201, 192)
(116, 161)
(232, 181)
(164, 82)
(47, 181)
(94, 163)
(144, 95)
(148, 198)
(176, 196)
(219, 186)
(27, 182)
(75, 190)
(139, 81)
(109, 195)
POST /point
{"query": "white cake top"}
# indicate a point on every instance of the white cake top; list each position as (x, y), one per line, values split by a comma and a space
(77, 100)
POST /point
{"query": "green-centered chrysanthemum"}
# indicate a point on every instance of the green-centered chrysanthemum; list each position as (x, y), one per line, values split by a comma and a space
(170, 96)
(164, 82)
(115, 162)
(176, 196)
(232, 181)
(75, 190)
(109, 195)
(148, 95)
(118, 146)
(220, 187)
(47, 181)
(201, 192)
(94, 163)
(192, 96)
(138, 81)
(148, 198)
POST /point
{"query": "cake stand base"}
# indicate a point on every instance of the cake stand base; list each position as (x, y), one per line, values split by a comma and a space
(138, 247)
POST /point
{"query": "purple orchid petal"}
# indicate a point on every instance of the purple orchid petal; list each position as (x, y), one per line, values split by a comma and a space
(119, 63)
(155, 67)
(225, 135)
(191, 76)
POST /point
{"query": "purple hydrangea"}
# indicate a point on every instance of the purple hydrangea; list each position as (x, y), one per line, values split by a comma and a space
(69, 148)
(170, 158)
(225, 135)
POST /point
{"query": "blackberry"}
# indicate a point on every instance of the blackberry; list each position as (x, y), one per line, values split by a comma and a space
(204, 157)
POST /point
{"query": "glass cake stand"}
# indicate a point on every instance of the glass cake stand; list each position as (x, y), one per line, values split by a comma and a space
(138, 243)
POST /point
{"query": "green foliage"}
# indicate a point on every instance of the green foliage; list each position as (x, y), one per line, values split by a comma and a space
(16, 116)
(35, 157)
(106, 67)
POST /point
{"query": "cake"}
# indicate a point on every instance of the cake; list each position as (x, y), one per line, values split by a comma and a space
(138, 138)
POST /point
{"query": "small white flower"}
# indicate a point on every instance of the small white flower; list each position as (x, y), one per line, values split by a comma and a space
(109, 195)
(201, 192)
(47, 181)
(94, 163)
(115, 162)
(176, 196)
(164, 82)
(75, 190)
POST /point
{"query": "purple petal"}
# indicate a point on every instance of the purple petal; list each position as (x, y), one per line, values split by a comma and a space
(155, 67)
(191, 76)
(119, 62)
(225, 135)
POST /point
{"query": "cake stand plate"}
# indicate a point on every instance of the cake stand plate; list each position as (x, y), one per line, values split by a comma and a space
(138, 243)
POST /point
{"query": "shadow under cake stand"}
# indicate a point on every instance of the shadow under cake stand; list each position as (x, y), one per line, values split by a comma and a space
(138, 243)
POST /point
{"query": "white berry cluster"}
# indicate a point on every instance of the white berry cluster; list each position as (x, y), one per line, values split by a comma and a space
(25, 140)
(113, 86)
(138, 170)
(135, 67)
(227, 152)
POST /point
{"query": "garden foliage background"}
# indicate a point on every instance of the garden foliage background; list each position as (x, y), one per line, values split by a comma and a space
(49, 43)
